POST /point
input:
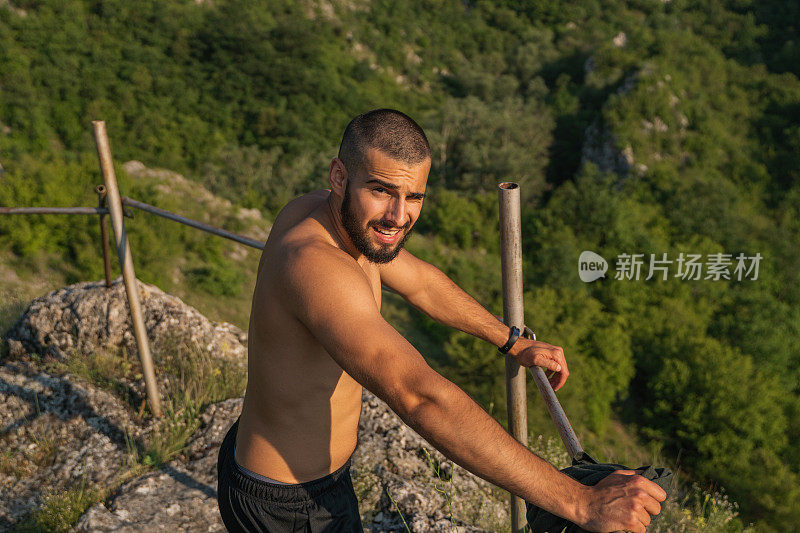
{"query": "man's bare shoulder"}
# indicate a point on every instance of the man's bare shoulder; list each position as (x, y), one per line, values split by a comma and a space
(305, 261)
(317, 255)
(299, 232)
(299, 209)
(321, 285)
(308, 256)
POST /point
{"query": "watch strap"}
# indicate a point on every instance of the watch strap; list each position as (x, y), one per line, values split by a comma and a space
(512, 339)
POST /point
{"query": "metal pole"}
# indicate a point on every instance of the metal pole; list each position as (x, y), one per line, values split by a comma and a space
(193, 223)
(565, 430)
(126, 263)
(513, 315)
(568, 436)
(101, 201)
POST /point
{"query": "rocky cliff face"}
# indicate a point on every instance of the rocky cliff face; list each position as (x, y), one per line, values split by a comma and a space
(60, 432)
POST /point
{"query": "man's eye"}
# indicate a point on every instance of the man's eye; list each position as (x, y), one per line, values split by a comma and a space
(379, 189)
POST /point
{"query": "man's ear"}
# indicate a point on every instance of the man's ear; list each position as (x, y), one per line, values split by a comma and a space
(337, 177)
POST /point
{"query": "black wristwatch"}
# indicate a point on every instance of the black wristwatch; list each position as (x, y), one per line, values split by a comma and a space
(512, 339)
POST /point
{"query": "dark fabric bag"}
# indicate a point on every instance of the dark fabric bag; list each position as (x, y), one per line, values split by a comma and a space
(589, 472)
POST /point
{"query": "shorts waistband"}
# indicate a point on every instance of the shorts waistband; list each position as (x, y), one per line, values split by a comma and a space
(299, 493)
(257, 476)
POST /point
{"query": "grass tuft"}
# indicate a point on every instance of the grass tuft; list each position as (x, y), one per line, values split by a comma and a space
(195, 379)
(190, 379)
(61, 510)
(439, 487)
(398, 509)
(700, 511)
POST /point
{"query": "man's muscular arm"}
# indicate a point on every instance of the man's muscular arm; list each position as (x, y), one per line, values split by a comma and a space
(428, 289)
(330, 294)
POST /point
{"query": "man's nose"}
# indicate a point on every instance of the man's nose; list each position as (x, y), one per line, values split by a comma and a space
(396, 212)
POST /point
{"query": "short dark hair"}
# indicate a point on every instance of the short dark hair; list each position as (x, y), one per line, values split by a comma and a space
(390, 131)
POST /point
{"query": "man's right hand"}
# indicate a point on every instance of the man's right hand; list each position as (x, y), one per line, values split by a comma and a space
(622, 501)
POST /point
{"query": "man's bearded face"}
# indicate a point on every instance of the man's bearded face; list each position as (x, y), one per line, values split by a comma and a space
(361, 235)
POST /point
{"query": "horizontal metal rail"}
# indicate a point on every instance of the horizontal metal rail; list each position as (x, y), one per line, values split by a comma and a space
(60, 211)
(53, 211)
(138, 205)
(193, 223)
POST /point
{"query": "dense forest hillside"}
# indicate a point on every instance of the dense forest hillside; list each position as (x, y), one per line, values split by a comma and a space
(663, 127)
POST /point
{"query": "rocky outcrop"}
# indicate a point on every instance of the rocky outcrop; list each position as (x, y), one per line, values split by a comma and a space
(396, 469)
(600, 145)
(59, 432)
(87, 317)
(56, 433)
(180, 496)
(600, 148)
(211, 208)
(390, 471)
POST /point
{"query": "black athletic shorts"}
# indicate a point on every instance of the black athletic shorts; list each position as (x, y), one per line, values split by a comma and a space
(327, 504)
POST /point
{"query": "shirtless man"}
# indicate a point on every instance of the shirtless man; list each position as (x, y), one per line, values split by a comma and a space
(316, 337)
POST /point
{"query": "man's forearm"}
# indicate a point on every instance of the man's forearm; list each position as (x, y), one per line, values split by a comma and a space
(449, 304)
(452, 422)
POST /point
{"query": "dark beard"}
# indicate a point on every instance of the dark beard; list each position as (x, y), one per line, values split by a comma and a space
(360, 236)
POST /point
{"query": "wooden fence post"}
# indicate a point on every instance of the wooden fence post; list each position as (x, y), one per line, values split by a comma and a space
(114, 202)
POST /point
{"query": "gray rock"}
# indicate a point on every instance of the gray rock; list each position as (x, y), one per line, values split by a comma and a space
(88, 316)
(62, 432)
(395, 468)
(217, 420)
(182, 495)
(171, 499)
(600, 148)
(57, 432)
